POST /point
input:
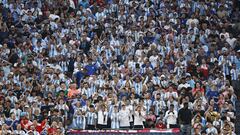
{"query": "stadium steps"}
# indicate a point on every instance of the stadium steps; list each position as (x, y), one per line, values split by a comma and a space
(237, 122)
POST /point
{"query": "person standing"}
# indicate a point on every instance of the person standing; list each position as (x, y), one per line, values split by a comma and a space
(185, 116)
(91, 118)
(73, 91)
(139, 118)
(115, 118)
(124, 117)
(234, 76)
(79, 120)
(102, 117)
(171, 117)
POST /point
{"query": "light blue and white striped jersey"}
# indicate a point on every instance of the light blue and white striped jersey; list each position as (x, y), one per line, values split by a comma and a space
(234, 74)
(115, 120)
(147, 104)
(159, 105)
(226, 68)
(108, 53)
(88, 92)
(79, 122)
(156, 80)
(138, 88)
(91, 118)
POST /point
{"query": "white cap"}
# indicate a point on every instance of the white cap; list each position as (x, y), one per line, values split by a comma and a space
(34, 63)
(89, 10)
(78, 13)
(188, 74)
(166, 27)
(162, 76)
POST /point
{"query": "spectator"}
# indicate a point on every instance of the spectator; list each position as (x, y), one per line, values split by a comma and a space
(53, 129)
(102, 117)
(211, 129)
(18, 130)
(150, 119)
(171, 117)
(184, 117)
(63, 60)
(115, 118)
(91, 118)
(138, 118)
(12, 122)
(124, 117)
(79, 120)
(73, 91)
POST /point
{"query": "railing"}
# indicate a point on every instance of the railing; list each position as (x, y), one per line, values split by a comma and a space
(174, 131)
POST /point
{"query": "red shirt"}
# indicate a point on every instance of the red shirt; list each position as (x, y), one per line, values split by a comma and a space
(25, 123)
(204, 70)
(99, 2)
(198, 89)
(39, 127)
(161, 126)
(52, 130)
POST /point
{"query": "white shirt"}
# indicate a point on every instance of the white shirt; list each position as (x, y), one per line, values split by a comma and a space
(212, 130)
(124, 118)
(171, 117)
(186, 85)
(53, 16)
(130, 108)
(153, 60)
(168, 94)
(138, 53)
(19, 132)
(138, 119)
(102, 117)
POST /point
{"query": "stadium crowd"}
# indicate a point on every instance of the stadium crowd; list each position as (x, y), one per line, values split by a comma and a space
(118, 64)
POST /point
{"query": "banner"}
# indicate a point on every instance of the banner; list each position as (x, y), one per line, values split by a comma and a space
(144, 131)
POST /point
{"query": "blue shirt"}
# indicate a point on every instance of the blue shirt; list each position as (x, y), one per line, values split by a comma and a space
(79, 75)
(192, 83)
(91, 69)
(12, 123)
(211, 94)
(84, 4)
